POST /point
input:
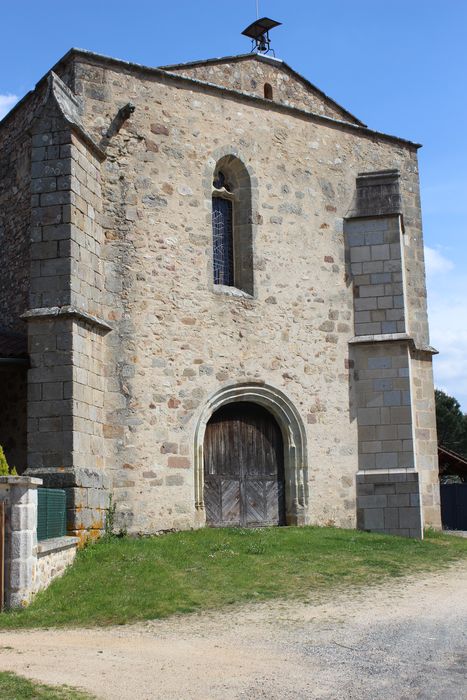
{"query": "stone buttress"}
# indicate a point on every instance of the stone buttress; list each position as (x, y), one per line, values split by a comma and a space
(392, 387)
(65, 330)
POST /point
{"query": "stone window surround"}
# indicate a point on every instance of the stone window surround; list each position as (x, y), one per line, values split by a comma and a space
(244, 198)
(293, 434)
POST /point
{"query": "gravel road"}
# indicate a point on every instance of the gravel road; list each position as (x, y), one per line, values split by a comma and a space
(406, 639)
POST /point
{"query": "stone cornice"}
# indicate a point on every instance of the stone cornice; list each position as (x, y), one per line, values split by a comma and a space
(29, 481)
(392, 338)
(66, 312)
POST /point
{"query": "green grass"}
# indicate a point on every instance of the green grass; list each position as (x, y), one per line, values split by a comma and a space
(13, 687)
(125, 580)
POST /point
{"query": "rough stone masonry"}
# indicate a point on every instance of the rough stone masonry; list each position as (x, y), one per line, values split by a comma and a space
(106, 191)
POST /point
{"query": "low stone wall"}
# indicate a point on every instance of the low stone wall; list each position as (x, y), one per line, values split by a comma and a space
(87, 496)
(29, 566)
(53, 557)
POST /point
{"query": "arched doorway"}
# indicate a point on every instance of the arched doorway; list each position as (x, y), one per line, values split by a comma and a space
(293, 433)
(243, 467)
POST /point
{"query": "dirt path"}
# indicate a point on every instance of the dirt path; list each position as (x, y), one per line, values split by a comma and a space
(407, 639)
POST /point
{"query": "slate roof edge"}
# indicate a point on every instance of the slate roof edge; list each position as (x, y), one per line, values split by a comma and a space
(264, 59)
(83, 53)
(451, 453)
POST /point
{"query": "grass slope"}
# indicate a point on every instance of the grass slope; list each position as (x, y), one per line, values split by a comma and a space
(13, 687)
(123, 580)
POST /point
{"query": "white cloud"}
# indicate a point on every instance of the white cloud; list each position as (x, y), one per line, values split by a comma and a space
(447, 311)
(6, 103)
(436, 263)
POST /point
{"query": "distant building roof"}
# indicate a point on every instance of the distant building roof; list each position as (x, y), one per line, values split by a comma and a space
(451, 462)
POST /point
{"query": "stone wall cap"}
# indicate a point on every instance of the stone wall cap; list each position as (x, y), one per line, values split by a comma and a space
(56, 544)
(21, 480)
(380, 338)
(373, 472)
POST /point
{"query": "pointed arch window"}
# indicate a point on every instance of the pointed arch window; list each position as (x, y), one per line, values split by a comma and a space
(232, 242)
(222, 232)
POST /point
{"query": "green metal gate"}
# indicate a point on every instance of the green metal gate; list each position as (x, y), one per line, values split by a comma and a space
(51, 513)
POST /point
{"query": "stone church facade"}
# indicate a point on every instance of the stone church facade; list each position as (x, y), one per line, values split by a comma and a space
(180, 240)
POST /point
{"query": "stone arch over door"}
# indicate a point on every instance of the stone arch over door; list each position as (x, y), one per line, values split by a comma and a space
(293, 435)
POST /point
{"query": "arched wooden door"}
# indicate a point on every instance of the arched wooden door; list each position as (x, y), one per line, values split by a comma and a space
(243, 467)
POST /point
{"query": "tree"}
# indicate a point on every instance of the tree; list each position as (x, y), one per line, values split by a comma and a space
(4, 468)
(451, 423)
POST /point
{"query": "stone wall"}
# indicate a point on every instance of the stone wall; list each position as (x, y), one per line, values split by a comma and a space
(130, 339)
(15, 159)
(250, 73)
(29, 566)
(65, 422)
(177, 340)
(376, 268)
(383, 406)
(426, 441)
(389, 502)
(66, 380)
(388, 325)
(54, 556)
(19, 495)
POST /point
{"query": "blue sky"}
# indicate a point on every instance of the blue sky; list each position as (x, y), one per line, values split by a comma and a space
(400, 66)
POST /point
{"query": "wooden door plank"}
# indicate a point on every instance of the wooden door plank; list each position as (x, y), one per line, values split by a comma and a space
(244, 467)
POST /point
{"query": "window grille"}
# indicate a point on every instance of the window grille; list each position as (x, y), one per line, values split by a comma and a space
(222, 231)
(51, 513)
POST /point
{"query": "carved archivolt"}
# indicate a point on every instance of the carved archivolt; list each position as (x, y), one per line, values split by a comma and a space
(293, 433)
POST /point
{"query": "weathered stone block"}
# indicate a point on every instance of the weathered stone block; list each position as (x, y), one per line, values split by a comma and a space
(23, 517)
(410, 518)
